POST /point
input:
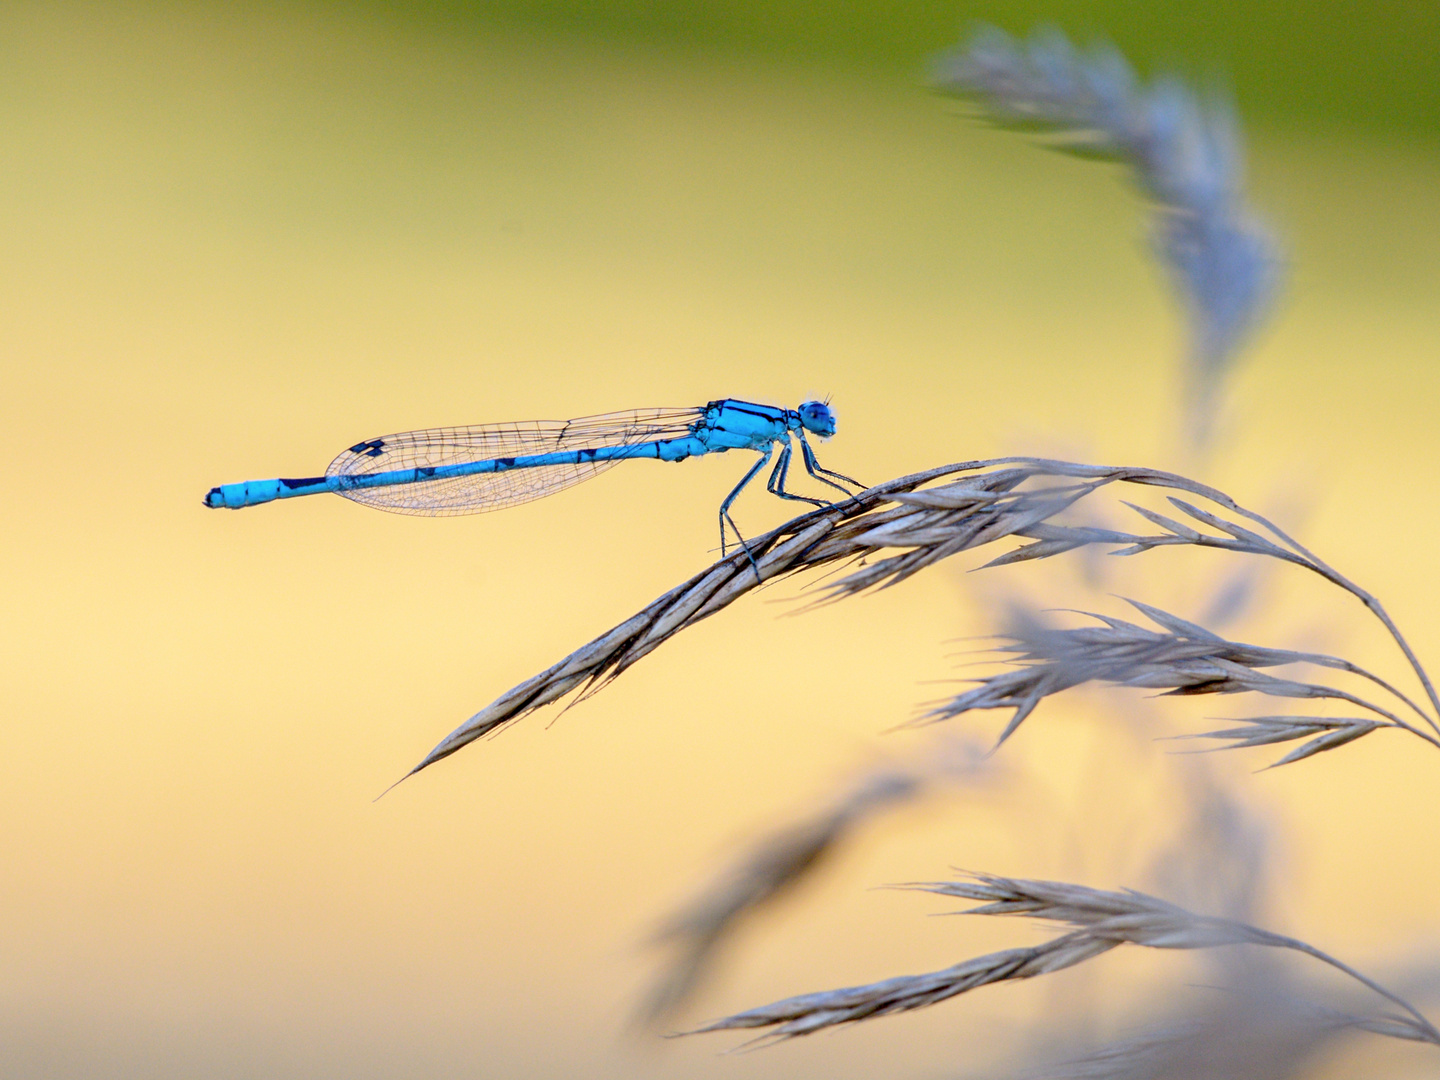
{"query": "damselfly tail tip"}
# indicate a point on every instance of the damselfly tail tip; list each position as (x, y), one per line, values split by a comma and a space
(214, 499)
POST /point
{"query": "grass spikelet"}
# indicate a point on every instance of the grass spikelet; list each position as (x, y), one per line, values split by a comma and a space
(1184, 154)
(776, 862)
(1098, 920)
(1328, 732)
(808, 1013)
(1181, 659)
(897, 529)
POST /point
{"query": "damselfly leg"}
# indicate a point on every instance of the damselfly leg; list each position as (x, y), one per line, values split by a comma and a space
(730, 499)
(814, 469)
(776, 484)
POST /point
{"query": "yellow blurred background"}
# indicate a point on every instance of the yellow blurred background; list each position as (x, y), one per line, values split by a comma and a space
(237, 240)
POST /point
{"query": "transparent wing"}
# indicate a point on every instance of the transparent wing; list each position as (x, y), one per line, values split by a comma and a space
(494, 491)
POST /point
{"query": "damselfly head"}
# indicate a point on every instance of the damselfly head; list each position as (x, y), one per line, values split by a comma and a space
(816, 418)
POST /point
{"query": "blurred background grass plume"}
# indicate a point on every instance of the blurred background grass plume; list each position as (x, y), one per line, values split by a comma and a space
(238, 239)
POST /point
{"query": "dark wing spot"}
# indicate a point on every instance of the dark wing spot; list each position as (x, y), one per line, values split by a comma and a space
(373, 448)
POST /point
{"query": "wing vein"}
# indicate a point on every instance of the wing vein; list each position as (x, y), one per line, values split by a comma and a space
(482, 442)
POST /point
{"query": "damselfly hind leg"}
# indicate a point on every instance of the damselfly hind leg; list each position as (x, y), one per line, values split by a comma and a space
(730, 499)
(776, 484)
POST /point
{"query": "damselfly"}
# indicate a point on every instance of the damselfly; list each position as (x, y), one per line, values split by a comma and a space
(467, 470)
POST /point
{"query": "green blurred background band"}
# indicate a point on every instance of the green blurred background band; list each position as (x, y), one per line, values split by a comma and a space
(1328, 62)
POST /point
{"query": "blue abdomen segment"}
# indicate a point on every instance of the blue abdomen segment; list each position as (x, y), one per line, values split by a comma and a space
(255, 492)
(666, 450)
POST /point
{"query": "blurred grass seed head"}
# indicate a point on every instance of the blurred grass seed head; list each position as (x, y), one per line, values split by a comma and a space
(1184, 154)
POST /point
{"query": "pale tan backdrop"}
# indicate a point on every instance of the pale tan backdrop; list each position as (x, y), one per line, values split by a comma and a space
(236, 243)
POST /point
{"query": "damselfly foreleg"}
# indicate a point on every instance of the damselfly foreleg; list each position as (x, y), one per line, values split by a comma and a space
(814, 469)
